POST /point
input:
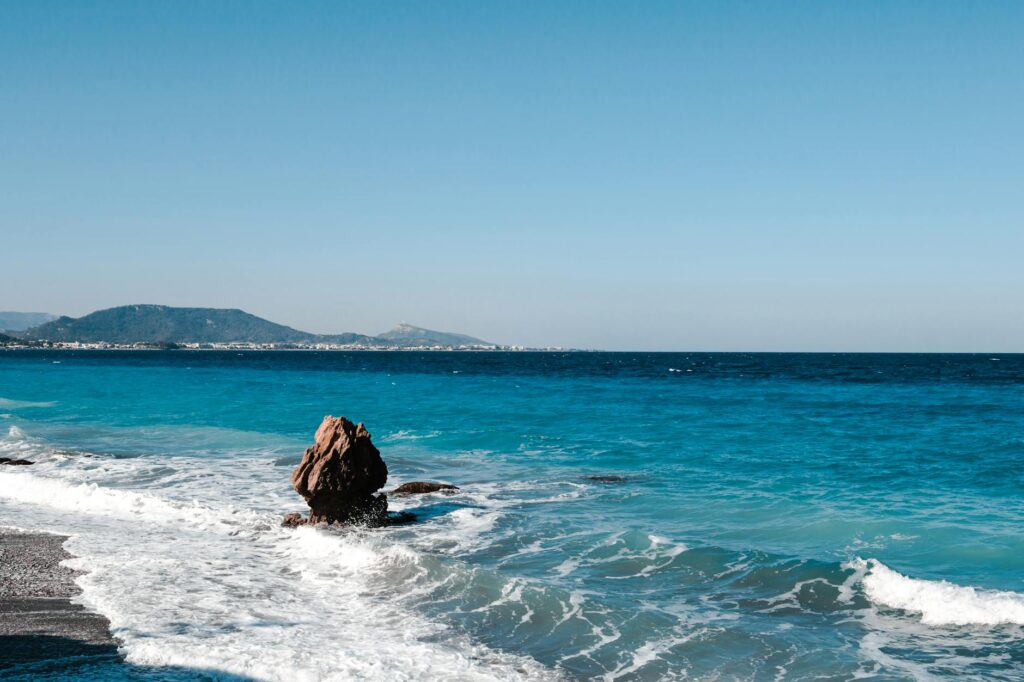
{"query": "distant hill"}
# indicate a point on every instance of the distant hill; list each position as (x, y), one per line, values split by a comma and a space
(17, 322)
(408, 335)
(165, 324)
(347, 337)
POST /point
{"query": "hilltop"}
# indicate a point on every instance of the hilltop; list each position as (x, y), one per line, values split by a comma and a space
(408, 335)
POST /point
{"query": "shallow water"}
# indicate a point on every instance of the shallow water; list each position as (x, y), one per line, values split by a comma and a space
(752, 517)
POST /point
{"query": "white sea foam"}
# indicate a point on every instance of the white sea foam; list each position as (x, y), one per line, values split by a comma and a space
(647, 653)
(791, 597)
(938, 602)
(635, 555)
(17, 445)
(193, 571)
(14, 435)
(89, 498)
(404, 435)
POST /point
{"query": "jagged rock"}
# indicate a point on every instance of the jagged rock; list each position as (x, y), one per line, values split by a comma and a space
(292, 520)
(14, 462)
(339, 475)
(420, 487)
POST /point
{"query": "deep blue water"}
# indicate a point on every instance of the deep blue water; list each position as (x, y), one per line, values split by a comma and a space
(764, 516)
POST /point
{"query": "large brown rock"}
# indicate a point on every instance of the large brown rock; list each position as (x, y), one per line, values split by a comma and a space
(339, 475)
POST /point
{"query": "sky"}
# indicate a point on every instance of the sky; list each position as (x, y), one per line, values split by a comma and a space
(788, 176)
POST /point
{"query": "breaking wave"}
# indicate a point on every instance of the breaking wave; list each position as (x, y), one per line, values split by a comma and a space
(938, 602)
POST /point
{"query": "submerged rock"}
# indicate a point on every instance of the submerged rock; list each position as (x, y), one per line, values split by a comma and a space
(14, 462)
(610, 478)
(339, 475)
(401, 518)
(420, 487)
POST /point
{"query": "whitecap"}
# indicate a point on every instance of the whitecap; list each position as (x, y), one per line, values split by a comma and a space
(939, 602)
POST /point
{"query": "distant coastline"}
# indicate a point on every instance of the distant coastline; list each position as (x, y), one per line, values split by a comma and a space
(18, 344)
(159, 327)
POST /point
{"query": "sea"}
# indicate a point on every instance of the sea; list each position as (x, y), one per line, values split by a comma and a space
(621, 516)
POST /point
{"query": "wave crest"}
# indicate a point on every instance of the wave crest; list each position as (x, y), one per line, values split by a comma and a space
(938, 601)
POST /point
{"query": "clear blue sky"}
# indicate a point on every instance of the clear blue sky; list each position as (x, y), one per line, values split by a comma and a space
(677, 176)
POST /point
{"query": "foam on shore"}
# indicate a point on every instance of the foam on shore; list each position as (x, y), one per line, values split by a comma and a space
(190, 582)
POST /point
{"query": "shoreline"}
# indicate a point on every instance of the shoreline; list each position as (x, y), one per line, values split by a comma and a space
(332, 349)
(42, 632)
(45, 635)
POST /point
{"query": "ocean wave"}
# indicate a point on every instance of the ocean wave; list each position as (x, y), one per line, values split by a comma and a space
(939, 602)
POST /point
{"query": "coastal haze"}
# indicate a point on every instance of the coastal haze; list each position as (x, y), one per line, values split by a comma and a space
(19, 322)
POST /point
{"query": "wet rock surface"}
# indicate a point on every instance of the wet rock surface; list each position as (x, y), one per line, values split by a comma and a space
(340, 475)
(421, 487)
(14, 462)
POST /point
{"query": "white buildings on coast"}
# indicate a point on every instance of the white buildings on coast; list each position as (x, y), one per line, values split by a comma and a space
(241, 346)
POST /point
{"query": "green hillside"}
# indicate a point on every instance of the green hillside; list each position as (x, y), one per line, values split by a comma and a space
(164, 324)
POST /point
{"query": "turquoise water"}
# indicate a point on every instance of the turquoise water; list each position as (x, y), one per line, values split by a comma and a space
(775, 516)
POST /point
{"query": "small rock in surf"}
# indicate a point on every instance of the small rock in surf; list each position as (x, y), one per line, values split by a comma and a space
(606, 479)
(421, 487)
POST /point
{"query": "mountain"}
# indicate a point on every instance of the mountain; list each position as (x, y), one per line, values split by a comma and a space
(408, 335)
(164, 324)
(18, 322)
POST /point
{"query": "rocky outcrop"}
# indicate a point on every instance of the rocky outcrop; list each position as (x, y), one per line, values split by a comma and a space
(14, 462)
(339, 476)
(420, 487)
